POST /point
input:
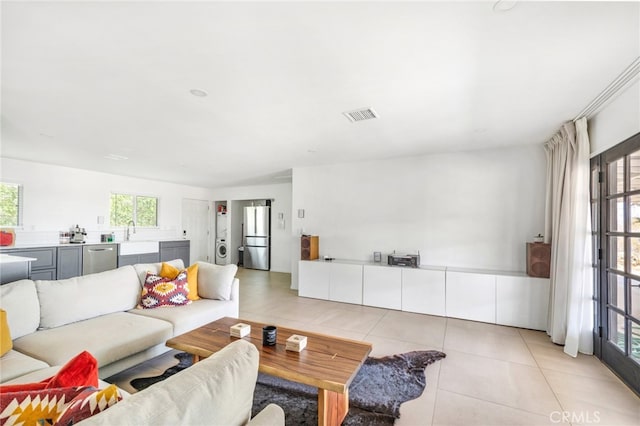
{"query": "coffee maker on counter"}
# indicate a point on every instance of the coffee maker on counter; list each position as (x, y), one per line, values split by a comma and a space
(77, 235)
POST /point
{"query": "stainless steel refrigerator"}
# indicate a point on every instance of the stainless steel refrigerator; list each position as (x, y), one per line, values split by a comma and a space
(257, 244)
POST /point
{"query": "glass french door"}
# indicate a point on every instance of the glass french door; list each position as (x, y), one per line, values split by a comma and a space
(615, 202)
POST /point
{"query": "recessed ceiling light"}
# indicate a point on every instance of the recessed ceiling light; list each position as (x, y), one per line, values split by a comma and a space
(504, 5)
(198, 92)
(116, 157)
(361, 114)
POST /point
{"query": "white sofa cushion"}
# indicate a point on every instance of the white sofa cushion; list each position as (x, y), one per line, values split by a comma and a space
(214, 281)
(154, 268)
(108, 338)
(215, 391)
(16, 364)
(188, 317)
(20, 300)
(80, 298)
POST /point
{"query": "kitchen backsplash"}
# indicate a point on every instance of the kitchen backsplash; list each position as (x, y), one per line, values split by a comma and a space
(93, 236)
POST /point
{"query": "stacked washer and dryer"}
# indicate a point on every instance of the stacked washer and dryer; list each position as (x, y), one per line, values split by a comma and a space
(222, 257)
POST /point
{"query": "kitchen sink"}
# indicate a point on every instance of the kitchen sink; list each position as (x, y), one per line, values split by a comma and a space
(139, 247)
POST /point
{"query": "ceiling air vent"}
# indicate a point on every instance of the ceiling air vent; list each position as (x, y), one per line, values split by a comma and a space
(361, 114)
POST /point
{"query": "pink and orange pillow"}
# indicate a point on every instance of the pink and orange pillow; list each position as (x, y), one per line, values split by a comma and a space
(168, 271)
(164, 292)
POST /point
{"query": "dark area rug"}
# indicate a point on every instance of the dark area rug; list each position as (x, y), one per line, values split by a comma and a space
(375, 395)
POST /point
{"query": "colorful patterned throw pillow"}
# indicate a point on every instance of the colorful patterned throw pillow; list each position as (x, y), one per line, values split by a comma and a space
(55, 406)
(164, 292)
(87, 403)
(169, 271)
(35, 407)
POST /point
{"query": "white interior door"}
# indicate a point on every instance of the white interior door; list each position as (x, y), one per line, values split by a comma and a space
(196, 222)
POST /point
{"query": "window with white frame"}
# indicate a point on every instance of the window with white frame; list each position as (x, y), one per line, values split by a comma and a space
(10, 204)
(139, 209)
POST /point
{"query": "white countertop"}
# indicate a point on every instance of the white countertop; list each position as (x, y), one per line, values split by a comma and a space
(427, 267)
(381, 264)
(6, 258)
(87, 243)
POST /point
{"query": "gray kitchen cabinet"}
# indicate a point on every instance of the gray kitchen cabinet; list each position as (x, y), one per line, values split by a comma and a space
(44, 267)
(149, 258)
(132, 259)
(179, 249)
(69, 262)
(14, 269)
(48, 274)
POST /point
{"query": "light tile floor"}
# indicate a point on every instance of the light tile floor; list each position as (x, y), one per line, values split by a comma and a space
(493, 375)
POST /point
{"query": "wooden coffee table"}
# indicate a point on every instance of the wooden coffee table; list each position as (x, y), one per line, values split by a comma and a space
(329, 363)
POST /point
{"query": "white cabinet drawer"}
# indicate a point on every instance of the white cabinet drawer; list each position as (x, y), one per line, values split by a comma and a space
(471, 296)
(423, 291)
(522, 302)
(313, 279)
(345, 283)
(382, 287)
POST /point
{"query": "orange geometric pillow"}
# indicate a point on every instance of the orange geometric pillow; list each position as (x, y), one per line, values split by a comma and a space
(168, 271)
(164, 292)
(35, 407)
(55, 406)
(87, 403)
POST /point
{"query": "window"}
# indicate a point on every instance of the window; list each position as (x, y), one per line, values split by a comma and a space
(10, 204)
(140, 209)
(616, 209)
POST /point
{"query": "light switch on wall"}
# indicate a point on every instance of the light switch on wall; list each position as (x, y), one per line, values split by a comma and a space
(301, 213)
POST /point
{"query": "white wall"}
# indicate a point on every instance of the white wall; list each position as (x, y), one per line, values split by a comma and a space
(281, 239)
(469, 209)
(56, 198)
(619, 120)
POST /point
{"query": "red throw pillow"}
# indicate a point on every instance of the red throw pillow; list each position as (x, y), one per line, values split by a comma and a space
(81, 370)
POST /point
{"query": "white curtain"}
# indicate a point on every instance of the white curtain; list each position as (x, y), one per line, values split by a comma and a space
(568, 228)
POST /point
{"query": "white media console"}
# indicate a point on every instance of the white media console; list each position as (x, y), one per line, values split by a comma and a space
(498, 297)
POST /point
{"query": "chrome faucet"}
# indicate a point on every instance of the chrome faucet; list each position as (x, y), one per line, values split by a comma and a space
(127, 234)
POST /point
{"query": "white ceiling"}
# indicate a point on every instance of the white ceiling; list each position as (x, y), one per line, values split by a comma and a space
(83, 80)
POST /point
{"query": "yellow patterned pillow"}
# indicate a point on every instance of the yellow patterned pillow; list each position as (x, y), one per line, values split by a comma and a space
(6, 344)
(168, 271)
(89, 402)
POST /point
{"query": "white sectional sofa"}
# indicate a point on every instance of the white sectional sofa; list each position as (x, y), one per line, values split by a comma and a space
(52, 321)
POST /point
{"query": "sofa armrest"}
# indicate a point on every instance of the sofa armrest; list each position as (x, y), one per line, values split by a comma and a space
(235, 290)
(271, 415)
